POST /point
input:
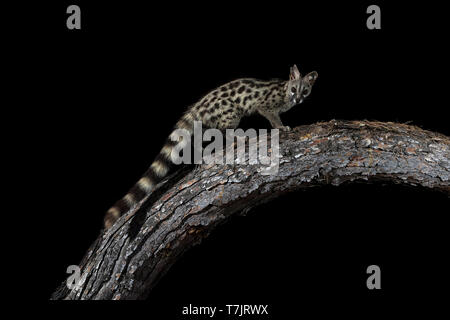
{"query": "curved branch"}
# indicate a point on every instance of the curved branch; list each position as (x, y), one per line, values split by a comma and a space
(128, 260)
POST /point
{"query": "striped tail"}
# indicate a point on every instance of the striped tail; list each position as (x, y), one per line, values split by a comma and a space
(157, 171)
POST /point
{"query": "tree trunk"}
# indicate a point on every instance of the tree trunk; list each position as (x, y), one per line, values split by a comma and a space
(127, 261)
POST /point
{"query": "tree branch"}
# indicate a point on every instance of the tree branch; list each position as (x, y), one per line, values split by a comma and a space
(127, 261)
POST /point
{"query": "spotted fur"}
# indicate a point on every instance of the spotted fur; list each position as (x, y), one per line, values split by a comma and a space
(222, 108)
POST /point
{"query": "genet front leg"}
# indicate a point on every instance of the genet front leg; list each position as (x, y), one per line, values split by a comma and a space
(275, 121)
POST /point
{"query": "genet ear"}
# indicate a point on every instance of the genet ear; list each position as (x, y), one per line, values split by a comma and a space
(295, 74)
(311, 77)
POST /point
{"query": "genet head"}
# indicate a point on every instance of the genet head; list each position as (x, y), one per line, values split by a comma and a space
(299, 87)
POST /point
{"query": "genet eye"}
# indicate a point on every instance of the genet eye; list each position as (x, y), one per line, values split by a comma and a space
(305, 92)
(293, 89)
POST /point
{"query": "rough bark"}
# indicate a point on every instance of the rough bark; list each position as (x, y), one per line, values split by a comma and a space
(128, 260)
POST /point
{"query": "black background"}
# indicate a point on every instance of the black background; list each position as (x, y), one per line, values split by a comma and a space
(99, 102)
